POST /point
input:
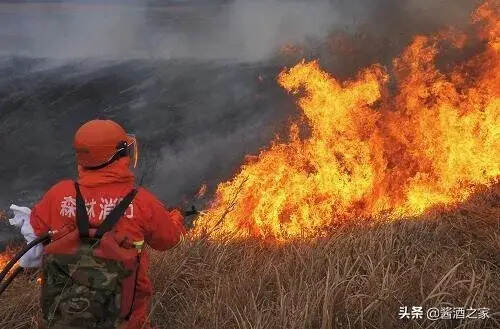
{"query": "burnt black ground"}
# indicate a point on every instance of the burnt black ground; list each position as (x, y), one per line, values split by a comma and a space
(194, 121)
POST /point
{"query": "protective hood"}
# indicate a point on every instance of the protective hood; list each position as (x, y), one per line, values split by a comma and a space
(117, 172)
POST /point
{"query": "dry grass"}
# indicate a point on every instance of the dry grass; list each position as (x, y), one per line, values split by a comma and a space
(356, 278)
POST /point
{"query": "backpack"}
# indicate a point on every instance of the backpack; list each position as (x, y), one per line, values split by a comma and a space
(88, 278)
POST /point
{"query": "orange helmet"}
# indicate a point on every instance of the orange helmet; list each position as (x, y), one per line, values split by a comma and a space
(98, 143)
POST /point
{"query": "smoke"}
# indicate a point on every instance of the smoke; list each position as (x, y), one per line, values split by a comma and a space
(70, 30)
(255, 30)
(207, 117)
(241, 30)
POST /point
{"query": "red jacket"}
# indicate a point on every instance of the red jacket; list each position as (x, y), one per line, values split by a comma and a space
(146, 219)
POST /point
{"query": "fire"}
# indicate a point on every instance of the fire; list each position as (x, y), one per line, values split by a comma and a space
(380, 146)
(5, 258)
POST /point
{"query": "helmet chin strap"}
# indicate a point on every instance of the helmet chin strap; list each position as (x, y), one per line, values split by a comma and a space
(107, 163)
(122, 151)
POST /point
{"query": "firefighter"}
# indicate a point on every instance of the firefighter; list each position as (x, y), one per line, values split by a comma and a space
(104, 154)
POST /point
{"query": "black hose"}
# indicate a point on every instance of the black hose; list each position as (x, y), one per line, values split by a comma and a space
(20, 254)
(11, 277)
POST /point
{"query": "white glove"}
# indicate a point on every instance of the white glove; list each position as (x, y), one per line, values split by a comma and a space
(33, 258)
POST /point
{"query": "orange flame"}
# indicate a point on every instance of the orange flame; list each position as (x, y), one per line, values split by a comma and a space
(370, 151)
(5, 258)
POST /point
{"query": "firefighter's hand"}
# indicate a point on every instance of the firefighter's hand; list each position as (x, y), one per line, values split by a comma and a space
(21, 215)
(21, 219)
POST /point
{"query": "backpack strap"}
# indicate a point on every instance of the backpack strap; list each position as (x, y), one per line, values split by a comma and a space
(82, 218)
(115, 214)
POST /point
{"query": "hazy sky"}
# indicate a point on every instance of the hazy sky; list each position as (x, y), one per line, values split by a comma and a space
(243, 30)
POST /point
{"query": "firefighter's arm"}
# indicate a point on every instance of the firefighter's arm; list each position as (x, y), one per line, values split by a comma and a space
(166, 227)
(40, 215)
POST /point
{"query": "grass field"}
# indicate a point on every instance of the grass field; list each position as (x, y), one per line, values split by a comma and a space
(358, 277)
